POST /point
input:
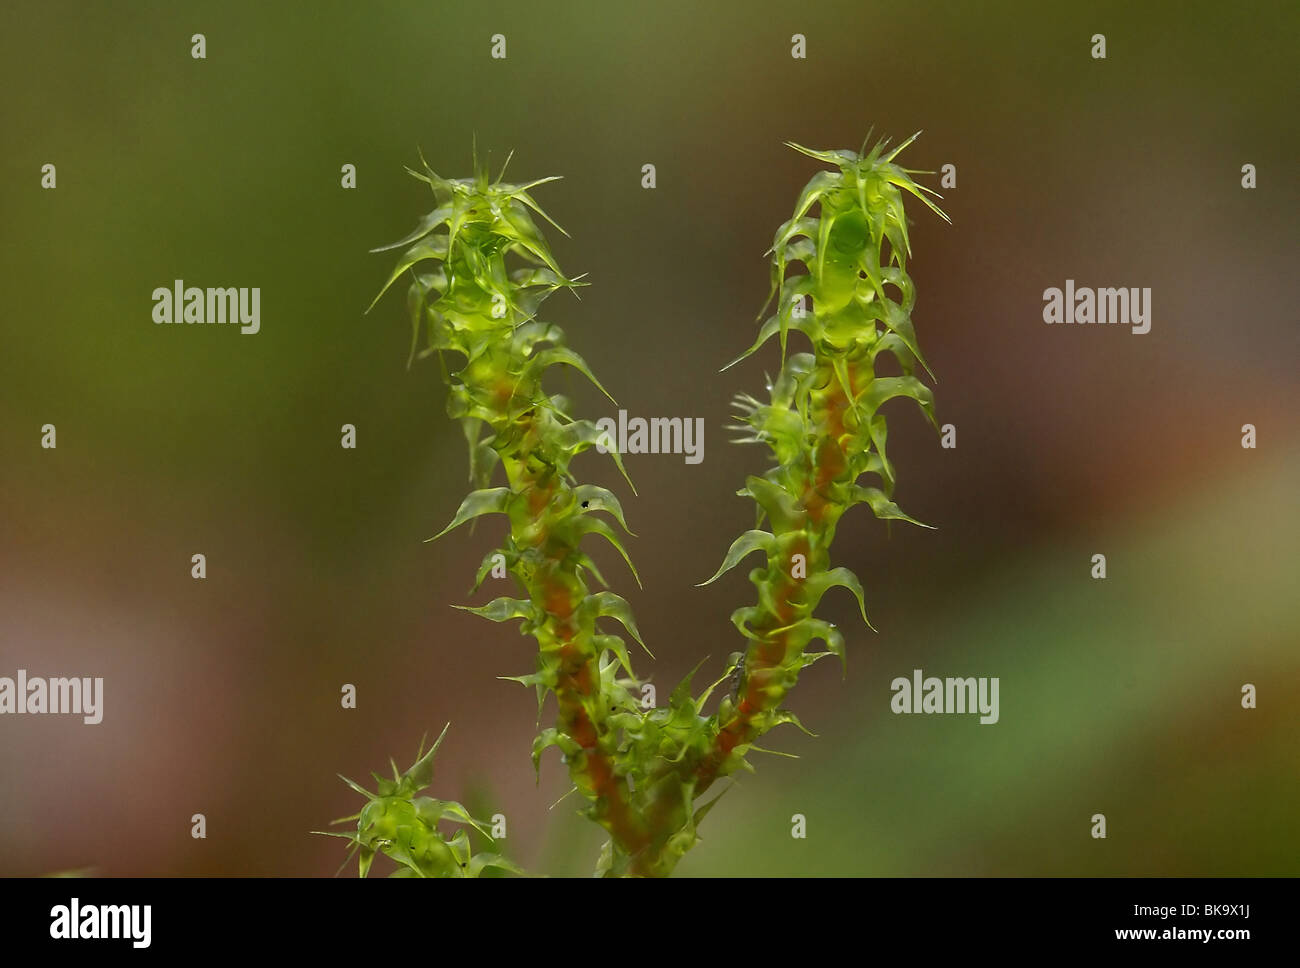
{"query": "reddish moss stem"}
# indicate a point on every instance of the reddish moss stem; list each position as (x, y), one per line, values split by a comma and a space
(592, 768)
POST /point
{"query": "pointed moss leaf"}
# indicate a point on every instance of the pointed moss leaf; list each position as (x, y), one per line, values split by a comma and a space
(482, 457)
(892, 343)
(881, 506)
(837, 156)
(562, 354)
(581, 434)
(518, 226)
(532, 679)
(901, 323)
(420, 775)
(357, 787)
(794, 229)
(904, 182)
(592, 498)
(481, 862)
(583, 561)
(746, 544)
(768, 330)
(491, 501)
(543, 683)
(782, 716)
(415, 297)
(614, 644)
(431, 248)
(807, 629)
(819, 584)
(527, 199)
(366, 855)
(610, 605)
(817, 186)
(759, 749)
(776, 502)
(485, 568)
(704, 696)
(887, 387)
(350, 837)
(879, 431)
(552, 737)
(597, 526)
(427, 224)
(705, 810)
(502, 609)
(841, 367)
(435, 811)
(534, 333)
(741, 618)
(681, 694)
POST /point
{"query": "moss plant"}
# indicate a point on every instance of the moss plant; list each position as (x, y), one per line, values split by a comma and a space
(480, 269)
(405, 827)
(826, 432)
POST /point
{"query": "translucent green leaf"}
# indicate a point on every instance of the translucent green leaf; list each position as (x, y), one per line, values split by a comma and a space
(432, 248)
(562, 354)
(491, 501)
(366, 855)
(741, 618)
(904, 182)
(887, 387)
(597, 526)
(705, 810)
(552, 737)
(767, 331)
(433, 811)
(357, 787)
(746, 544)
(819, 185)
(592, 498)
(427, 224)
(885, 159)
(610, 605)
(819, 584)
(782, 716)
(808, 629)
(485, 568)
(881, 506)
(795, 228)
(753, 747)
(480, 862)
(681, 694)
(614, 644)
(901, 323)
(581, 434)
(420, 775)
(837, 156)
(582, 561)
(736, 658)
(777, 503)
(502, 609)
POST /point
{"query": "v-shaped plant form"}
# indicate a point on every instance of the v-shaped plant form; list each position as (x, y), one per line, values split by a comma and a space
(480, 270)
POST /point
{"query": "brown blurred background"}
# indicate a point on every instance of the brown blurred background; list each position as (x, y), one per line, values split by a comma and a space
(222, 696)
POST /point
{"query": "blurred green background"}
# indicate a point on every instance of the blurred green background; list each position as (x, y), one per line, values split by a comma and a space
(222, 697)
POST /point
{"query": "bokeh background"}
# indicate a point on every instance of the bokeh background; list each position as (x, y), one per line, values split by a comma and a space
(222, 696)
